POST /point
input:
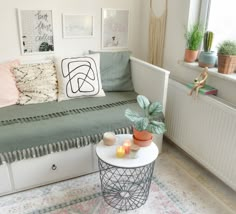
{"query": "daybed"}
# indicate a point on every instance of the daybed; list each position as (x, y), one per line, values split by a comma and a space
(48, 142)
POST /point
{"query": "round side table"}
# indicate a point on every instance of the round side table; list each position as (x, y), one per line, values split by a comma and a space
(125, 182)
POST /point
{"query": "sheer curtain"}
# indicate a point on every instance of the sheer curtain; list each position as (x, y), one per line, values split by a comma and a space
(157, 29)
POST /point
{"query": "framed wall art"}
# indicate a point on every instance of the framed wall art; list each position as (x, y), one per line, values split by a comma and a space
(77, 25)
(36, 31)
(115, 27)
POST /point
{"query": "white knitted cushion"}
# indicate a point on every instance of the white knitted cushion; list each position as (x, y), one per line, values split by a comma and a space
(37, 83)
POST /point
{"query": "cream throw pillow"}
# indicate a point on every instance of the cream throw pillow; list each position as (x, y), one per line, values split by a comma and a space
(79, 77)
(37, 83)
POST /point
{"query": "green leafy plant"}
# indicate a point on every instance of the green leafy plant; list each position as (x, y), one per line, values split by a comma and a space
(207, 41)
(151, 117)
(194, 36)
(227, 47)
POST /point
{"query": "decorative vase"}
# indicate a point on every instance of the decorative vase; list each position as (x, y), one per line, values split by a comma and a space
(190, 55)
(142, 138)
(207, 59)
(226, 64)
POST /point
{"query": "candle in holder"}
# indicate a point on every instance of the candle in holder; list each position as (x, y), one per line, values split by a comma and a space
(109, 138)
(120, 152)
(127, 145)
(134, 149)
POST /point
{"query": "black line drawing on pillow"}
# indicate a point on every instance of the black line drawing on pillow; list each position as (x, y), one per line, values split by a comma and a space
(82, 77)
(82, 81)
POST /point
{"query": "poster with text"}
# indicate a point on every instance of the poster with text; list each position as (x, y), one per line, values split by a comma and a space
(36, 31)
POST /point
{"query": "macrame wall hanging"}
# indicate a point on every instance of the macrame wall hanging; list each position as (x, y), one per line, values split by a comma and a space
(157, 29)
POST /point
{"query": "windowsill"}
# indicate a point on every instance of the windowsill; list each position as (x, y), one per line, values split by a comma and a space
(211, 71)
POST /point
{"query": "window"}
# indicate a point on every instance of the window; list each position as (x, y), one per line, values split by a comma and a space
(219, 17)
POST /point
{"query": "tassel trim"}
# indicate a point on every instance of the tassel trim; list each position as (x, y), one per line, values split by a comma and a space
(39, 151)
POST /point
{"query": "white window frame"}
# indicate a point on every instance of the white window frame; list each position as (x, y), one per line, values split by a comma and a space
(204, 12)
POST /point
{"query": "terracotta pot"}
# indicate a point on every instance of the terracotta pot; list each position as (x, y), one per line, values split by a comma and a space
(142, 138)
(190, 55)
(142, 143)
(226, 64)
(142, 135)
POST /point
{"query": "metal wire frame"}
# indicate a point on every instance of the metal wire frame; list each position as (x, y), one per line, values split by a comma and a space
(125, 188)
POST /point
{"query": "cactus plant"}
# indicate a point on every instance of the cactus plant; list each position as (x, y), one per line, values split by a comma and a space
(151, 118)
(207, 58)
(207, 41)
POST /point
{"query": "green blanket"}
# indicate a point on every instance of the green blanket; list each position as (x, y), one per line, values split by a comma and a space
(36, 130)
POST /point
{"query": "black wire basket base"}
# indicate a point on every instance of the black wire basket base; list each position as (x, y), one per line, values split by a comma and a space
(125, 188)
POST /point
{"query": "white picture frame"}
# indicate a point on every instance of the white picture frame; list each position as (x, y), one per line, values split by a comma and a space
(78, 25)
(36, 31)
(115, 28)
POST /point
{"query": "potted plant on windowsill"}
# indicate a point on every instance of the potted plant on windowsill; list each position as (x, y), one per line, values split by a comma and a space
(149, 122)
(193, 37)
(227, 57)
(207, 58)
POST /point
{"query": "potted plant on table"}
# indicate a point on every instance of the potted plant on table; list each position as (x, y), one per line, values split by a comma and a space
(193, 37)
(227, 57)
(207, 58)
(149, 122)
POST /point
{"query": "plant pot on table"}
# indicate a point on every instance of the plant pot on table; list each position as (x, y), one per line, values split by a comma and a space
(142, 138)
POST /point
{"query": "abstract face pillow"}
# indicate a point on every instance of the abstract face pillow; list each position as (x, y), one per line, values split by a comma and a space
(8, 92)
(79, 77)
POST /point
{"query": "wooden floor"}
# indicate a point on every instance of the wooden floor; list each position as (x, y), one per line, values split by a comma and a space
(217, 190)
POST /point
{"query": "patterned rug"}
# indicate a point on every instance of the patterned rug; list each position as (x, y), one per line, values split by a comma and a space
(83, 195)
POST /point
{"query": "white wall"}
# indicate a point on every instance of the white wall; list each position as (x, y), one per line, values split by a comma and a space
(180, 14)
(9, 37)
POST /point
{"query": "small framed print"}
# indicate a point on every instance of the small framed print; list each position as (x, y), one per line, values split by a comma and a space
(115, 28)
(36, 31)
(77, 25)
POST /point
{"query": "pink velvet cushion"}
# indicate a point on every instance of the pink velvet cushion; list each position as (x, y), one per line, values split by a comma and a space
(8, 91)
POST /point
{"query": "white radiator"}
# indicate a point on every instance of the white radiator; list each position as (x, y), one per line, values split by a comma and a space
(205, 128)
